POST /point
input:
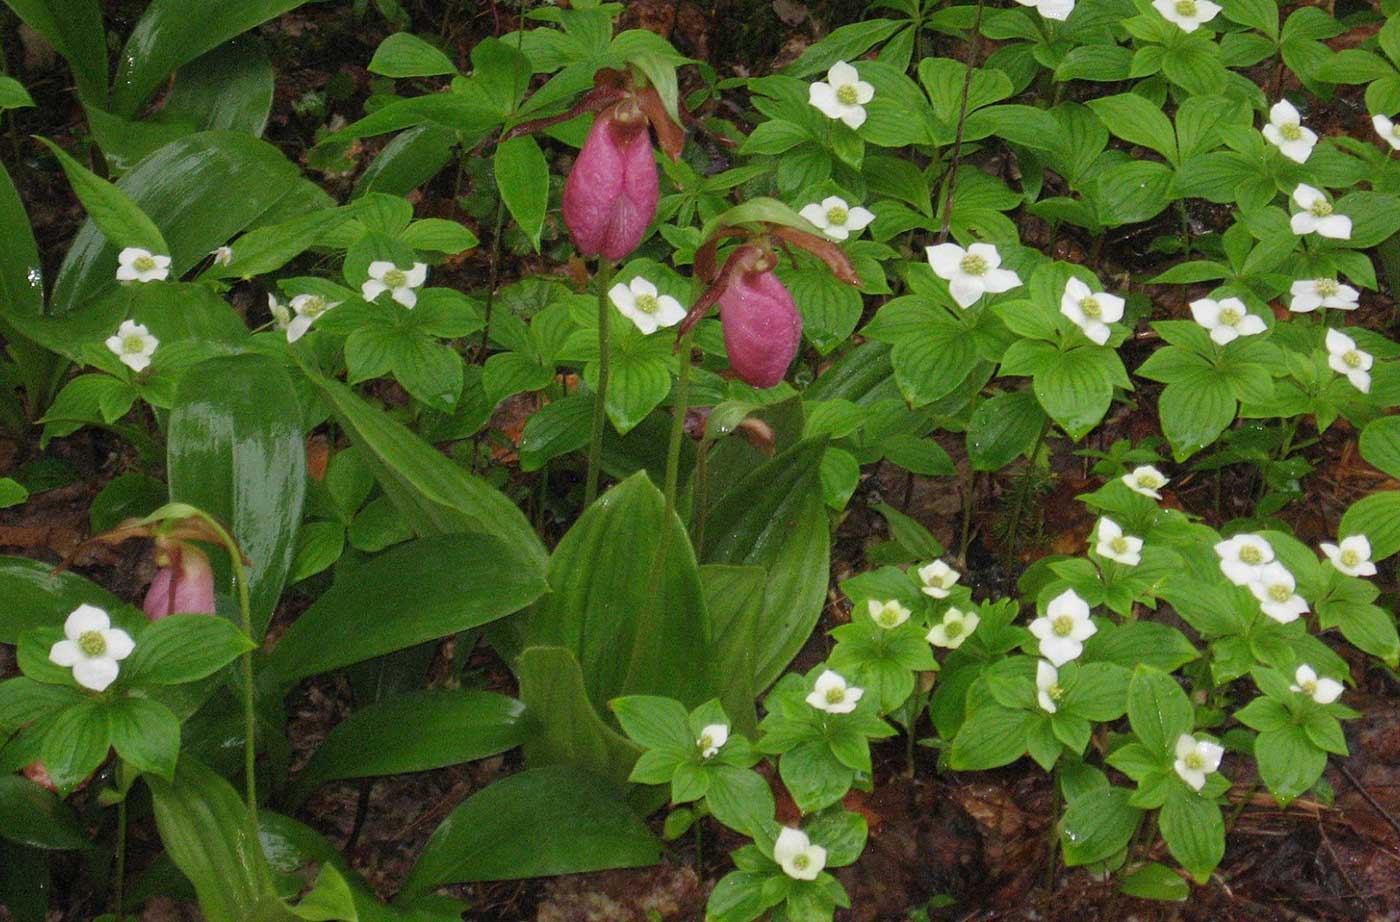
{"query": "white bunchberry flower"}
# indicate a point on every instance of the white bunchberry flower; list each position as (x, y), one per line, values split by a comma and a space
(1091, 311)
(1187, 14)
(223, 256)
(888, 615)
(1310, 294)
(92, 647)
(1047, 686)
(1277, 593)
(1227, 319)
(639, 302)
(972, 272)
(1116, 546)
(836, 218)
(1058, 10)
(1145, 479)
(137, 265)
(133, 344)
(797, 856)
(400, 283)
(843, 95)
(957, 625)
(1195, 759)
(830, 693)
(1346, 359)
(1317, 216)
(1323, 691)
(938, 579)
(712, 740)
(281, 314)
(1243, 557)
(1064, 628)
(1388, 130)
(1286, 132)
(306, 309)
(1352, 556)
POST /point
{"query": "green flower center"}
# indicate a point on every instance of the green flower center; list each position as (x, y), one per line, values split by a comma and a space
(1395, 130)
(1063, 626)
(1251, 555)
(1280, 592)
(835, 695)
(133, 344)
(1090, 308)
(648, 304)
(313, 306)
(1119, 545)
(972, 264)
(1352, 358)
(846, 95)
(801, 862)
(1230, 317)
(1327, 287)
(92, 643)
(144, 263)
(1350, 558)
(1055, 692)
(1186, 7)
(1290, 131)
(1309, 688)
(952, 627)
(1195, 761)
(836, 215)
(1148, 481)
(706, 741)
(396, 278)
(1320, 208)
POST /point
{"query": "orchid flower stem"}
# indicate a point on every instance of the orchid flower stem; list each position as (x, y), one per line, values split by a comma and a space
(603, 278)
(673, 450)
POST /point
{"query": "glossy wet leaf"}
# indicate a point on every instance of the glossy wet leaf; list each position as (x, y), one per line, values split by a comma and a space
(74, 28)
(32, 815)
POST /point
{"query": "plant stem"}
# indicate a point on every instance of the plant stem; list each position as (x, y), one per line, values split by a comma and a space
(119, 871)
(952, 174)
(673, 450)
(603, 278)
(697, 516)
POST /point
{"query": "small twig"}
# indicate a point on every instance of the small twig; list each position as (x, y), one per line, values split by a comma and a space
(962, 121)
(1366, 795)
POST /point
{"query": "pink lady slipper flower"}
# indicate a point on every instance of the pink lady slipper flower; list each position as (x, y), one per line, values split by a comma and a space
(610, 194)
(183, 585)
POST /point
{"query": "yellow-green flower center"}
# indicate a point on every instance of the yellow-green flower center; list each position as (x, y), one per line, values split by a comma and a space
(1352, 358)
(972, 264)
(133, 344)
(1327, 287)
(1090, 308)
(846, 94)
(1290, 131)
(144, 263)
(1063, 625)
(1229, 316)
(952, 627)
(648, 304)
(1251, 555)
(1195, 761)
(1320, 208)
(1119, 545)
(835, 695)
(1148, 481)
(836, 215)
(395, 278)
(801, 861)
(1280, 592)
(1309, 688)
(313, 306)
(1056, 692)
(1350, 558)
(1186, 7)
(92, 643)
(706, 741)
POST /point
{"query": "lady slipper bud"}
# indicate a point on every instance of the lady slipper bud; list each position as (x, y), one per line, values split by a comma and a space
(183, 585)
(611, 193)
(762, 327)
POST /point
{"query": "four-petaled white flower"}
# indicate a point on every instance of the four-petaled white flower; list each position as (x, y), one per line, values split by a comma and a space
(223, 256)
(1051, 9)
(1277, 593)
(1317, 216)
(400, 283)
(639, 302)
(1188, 14)
(712, 739)
(1388, 130)
(1195, 759)
(797, 856)
(1346, 359)
(830, 693)
(1286, 132)
(92, 647)
(1310, 294)
(1091, 311)
(972, 272)
(1323, 691)
(133, 344)
(1116, 546)
(1243, 557)
(888, 615)
(938, 579)
(1064, 628)
(1352, 556)
(837, 219)
(137, 265)
(1145, 479)
(1227, 319)
(957, 625)
(843, 95)
(1047, 686)
(306, 309)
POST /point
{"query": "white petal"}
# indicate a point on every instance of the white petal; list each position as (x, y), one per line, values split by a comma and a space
(1097, 331)
(1302, 223)
(669, 311)
(837, 232)
(945, 259)
(65, 653)
(1110, 307)
(998, 280)
(1206, 312)
(1283, 112)
(1057, 10)
(823, 97)
(83, 619)
(842, 73)
(1305, 303)
(379, 268)
(1060, 650)
(1185, 745)
(95, 674)
(864, 92)
(1338, 343)
(853, 116)
(405, 296)
(1335, 226)
(1306, 195)
(119, 643)
(640, 286)
(987, 252)
(1361, 380)
(814, 213)
(298, 327)
(1224, 335)
(417, 275)
(1251, 325)
(127, 274)
(1298, 151)
(372, 289)
(965, 290)
(858, 218)
(1206, 10)
(1328, 690)
(1045, 674)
